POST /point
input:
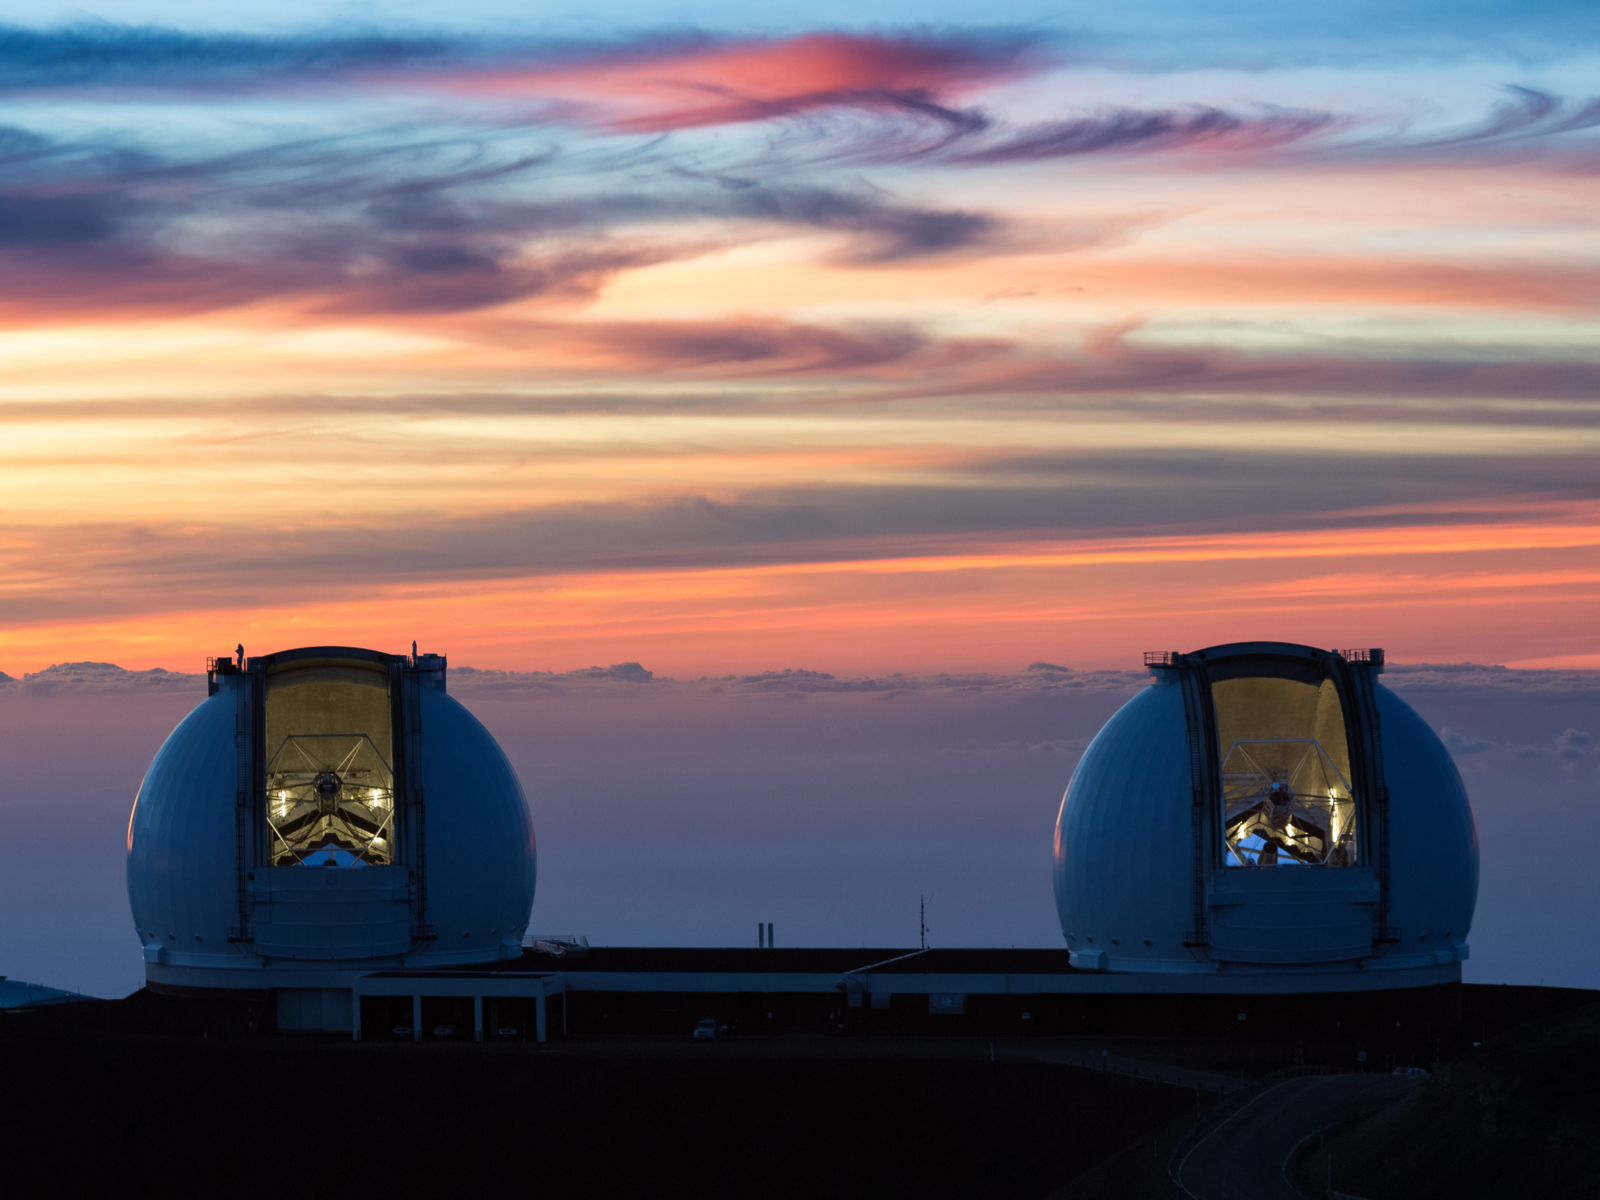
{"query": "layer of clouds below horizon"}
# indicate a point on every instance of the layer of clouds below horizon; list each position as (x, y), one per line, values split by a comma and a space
(682, 811)
(593, 682)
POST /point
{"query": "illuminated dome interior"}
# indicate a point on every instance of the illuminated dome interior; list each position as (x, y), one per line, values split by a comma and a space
(1285, 773)
(330, 778)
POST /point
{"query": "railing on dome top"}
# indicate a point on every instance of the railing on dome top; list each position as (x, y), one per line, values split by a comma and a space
(1160, 658)
(1374, 655)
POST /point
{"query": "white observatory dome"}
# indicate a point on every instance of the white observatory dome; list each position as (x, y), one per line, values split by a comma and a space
(326, 807)
(1267, 809)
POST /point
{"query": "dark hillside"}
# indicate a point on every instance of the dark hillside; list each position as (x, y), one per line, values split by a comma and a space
(1517, 1116)
(183, 1095)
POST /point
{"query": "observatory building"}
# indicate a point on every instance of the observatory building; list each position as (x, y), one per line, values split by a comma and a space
(1267, 817)
(323, 814)
(1264, 830)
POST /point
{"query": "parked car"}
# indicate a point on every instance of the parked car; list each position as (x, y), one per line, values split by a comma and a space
(403, 1031)
(708, 1030)
(507, 1031)
(1411, 1072)
(444, 1031)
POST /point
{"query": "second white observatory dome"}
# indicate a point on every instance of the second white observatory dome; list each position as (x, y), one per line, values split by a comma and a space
(1267, 809)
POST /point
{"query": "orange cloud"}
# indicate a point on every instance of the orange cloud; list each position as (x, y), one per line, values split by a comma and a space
(1522, 589)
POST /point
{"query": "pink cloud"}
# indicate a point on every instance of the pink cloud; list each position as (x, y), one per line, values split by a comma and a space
(729, 83)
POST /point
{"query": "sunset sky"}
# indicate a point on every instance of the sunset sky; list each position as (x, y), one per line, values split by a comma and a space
(924, 337)
(901, 345)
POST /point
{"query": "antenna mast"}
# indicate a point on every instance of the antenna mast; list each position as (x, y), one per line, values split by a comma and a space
(922, 918)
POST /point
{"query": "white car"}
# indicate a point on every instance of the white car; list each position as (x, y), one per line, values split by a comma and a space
(1411, 1072)
(707, 1030)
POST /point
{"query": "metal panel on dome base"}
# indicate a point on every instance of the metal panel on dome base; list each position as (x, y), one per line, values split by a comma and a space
(331, 912)
(1292, 916)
